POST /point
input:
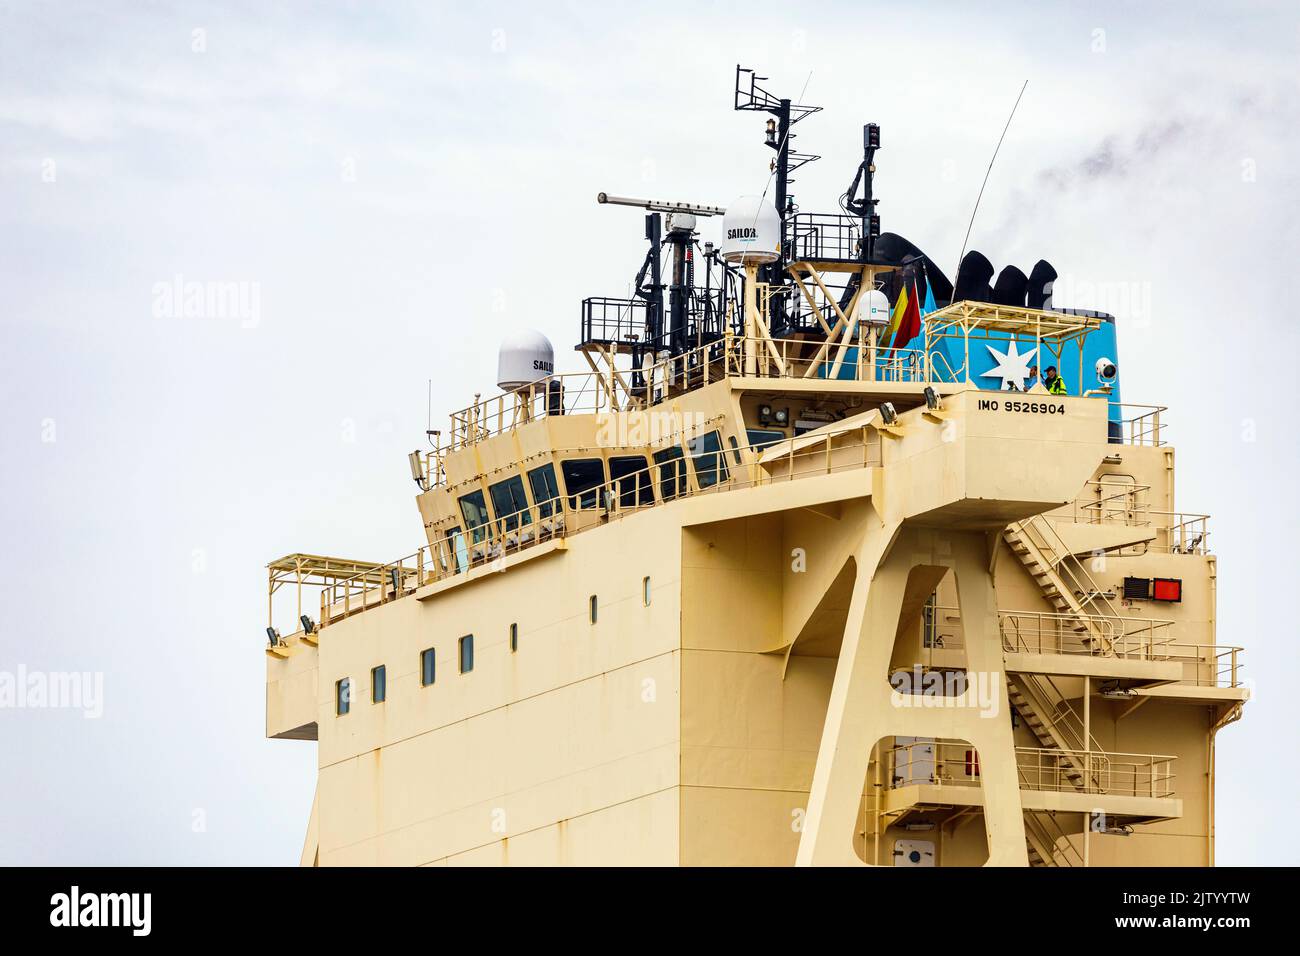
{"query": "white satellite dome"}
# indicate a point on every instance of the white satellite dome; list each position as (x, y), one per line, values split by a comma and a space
(751, 231)
(526, 356)
(874, 309)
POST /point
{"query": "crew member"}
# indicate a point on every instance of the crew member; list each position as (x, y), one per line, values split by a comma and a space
(1055, 384)
(1033, 377)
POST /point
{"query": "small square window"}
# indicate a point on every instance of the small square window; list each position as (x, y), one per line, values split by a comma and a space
(645, 592)
(427, 667)
(378, 684)
(467, 653)
(343, 696)
(591, 608)
(514, 638)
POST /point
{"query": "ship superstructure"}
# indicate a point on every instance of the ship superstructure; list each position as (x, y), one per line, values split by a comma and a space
(804, 567)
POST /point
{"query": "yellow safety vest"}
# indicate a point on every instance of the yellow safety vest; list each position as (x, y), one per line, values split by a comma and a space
(1056, 386)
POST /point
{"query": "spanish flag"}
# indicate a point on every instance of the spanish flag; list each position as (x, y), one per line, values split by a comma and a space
(905, 323)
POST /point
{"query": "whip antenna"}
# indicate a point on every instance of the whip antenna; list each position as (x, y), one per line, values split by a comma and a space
(971, 224)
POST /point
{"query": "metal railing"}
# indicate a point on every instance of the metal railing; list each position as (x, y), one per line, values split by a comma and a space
(1047, 831)
(1181, 533)
(1043, 632)
(804, 358)
(1208, 665)
(1061, 722)
(613, 391)
(1092, 771)
(1128, 638)
(1176, 532)
(615, 320)
(1040, 533)
(696, 472)
(956, 763)
(814, 236)
(1139, 425)
(1109, 502)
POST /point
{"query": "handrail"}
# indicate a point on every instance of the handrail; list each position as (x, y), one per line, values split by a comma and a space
(1044, 632)
(1182, 532)
(1061, 849)
(1129, 638)
(573, 393)
(655, 485)
(1055, 709)
(1103, 772)
(1143, 427)
(1064, 563)
(946, 762)
(1125, 506)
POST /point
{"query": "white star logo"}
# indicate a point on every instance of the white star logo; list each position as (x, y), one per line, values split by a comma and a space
(1011, 367)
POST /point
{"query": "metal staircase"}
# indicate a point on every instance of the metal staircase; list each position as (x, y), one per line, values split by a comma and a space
(1047, 843)
(1056, 724)
(1062, 578)
(1072, 592)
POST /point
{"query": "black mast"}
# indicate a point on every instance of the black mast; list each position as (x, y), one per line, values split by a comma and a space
(866, 206)
(779, 138)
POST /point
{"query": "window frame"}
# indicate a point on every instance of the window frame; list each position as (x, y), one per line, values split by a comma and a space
(714, 460)
(642, 491)
(476, 532)
(587, 495)
(378, 682)
(548, 497)
(672, 479)
(432, 670)
(462, 657)
(519, 513)
(756, 445)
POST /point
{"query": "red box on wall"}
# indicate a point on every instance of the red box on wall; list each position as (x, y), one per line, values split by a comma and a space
(1166, 589)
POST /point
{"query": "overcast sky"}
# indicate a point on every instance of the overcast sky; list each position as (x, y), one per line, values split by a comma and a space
(393, 185)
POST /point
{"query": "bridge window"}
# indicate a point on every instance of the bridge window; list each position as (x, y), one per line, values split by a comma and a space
(735, 448)
(343, 696)
(428, 665)
(582, 476)
(761, 437)
(672, 472)
(545, 490)
(633, 471)
(457, 549)
(378, 684)
(710, 465)
(474, 510)
(466, 649)
(509, 502)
